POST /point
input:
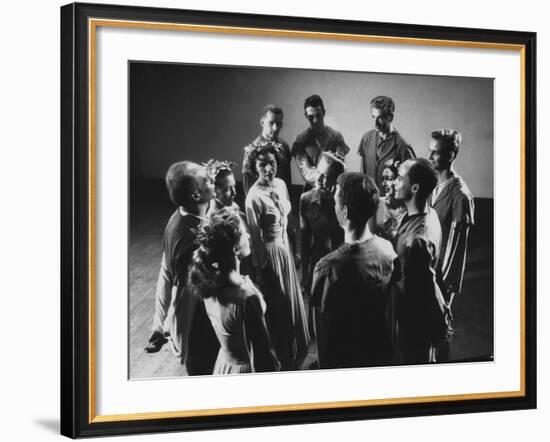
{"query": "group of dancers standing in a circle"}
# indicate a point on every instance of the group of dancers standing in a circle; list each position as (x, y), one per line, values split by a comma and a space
(380, 260)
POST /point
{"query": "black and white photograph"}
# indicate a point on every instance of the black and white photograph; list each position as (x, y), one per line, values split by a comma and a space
(285, 219)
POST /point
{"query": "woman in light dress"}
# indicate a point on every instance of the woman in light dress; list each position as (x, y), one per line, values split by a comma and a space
(267, 210)
(233, 304)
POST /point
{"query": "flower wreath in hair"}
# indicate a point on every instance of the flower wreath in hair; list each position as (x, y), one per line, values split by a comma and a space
(204, 251)
(205, 237)
(214, 167)
(252, 149)
(393, 164)
(338, 156)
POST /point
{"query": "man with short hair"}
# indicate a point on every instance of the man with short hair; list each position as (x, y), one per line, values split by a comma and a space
(421, 308)
(176, 311)
(384, 142)
(454, 204)
(317, 138)
(349, 289)
(272, 123)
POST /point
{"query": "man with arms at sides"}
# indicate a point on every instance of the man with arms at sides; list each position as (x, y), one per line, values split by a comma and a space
(383, 142)
(454, 204)
(319, 228)
(421, 308)
(350, 285)
(272, 123)
(317, 138)
(190, 188)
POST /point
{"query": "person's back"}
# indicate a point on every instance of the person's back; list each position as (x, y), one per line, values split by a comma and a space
(229, 313)
(350, 290)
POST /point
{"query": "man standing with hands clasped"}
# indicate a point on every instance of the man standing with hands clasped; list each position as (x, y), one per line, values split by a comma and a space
(454, 204)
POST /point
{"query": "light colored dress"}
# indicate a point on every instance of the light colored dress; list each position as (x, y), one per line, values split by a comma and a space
(237, 316)
(267, 211)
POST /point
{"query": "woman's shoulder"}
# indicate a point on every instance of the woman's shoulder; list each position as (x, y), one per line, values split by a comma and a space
(255, 193)
(250, 294)
(280, 187)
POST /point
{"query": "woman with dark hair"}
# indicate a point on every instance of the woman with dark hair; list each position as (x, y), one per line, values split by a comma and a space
(390, 211)
(267, 210)
(225, 192)
(225, 186)
(234, 305)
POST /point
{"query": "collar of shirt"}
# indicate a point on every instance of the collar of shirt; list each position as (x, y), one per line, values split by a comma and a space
(385, 137)
(320, 136)
(202, 219)
(407, 218)
(439, 188)
(364, 239)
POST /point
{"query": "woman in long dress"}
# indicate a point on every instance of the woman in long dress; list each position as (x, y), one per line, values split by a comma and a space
(267, 211)
(233, 304)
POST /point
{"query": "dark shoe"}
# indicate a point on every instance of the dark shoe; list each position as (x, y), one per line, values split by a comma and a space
(156, 341)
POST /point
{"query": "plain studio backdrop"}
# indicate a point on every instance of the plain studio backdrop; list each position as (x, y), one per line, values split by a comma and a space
(29, 177)
(197, 112)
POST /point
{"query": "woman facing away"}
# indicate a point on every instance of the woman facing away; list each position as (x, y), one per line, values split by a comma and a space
(234, 305)
(267, 211)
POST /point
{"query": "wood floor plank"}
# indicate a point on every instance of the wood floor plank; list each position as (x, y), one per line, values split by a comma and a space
(473, 309)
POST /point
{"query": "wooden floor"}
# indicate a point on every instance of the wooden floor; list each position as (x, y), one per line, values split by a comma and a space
(150, 209)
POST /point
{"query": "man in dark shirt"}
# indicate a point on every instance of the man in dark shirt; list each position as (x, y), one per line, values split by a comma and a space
(350, 285)
(191, 189)
(317, 138)
(421, 308)
(272, 123)
(382, 143)
(320, 232)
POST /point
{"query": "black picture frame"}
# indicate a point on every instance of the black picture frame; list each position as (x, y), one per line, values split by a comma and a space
(77, 416)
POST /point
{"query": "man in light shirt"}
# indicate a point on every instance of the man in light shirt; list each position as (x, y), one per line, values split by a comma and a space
(454, 204)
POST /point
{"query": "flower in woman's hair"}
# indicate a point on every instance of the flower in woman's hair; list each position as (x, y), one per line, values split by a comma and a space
(264, 143)
(392, 164)
(214, 167)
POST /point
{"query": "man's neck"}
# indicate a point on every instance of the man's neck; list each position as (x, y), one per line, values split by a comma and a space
(386, 134)
(352, 235)
(444, 175)
(415, 207)
(392, 202)
(319, 131)
(222, 204)
(199, 211)
(268, 139)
